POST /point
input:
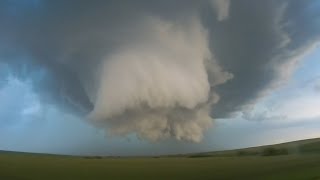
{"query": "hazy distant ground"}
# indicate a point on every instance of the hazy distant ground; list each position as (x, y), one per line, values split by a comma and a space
(297, 160)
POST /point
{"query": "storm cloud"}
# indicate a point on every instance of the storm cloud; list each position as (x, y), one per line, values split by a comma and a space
(156, 69)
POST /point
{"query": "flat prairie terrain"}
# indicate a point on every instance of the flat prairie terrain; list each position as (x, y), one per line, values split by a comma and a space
(266, 162)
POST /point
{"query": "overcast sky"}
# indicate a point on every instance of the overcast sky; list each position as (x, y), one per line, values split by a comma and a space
(157, 77)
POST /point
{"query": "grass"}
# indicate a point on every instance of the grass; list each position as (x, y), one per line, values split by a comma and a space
(15, 166)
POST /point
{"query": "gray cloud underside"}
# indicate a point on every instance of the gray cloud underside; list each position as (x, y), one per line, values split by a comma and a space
(261, 44)
(61, 46)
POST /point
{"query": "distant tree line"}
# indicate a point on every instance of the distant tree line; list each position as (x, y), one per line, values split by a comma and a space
(271, 151)
(268, 151)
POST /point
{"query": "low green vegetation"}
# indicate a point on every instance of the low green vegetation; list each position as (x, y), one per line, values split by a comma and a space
(303, 147)
(292, 161)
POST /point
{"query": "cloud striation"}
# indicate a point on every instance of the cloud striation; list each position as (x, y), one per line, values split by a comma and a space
(155, 69)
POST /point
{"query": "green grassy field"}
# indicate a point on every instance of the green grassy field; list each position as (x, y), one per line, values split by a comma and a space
(303, 163)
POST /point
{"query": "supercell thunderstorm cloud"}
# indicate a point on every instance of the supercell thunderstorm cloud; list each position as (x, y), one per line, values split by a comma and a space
(156, 69)
(158, 86)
